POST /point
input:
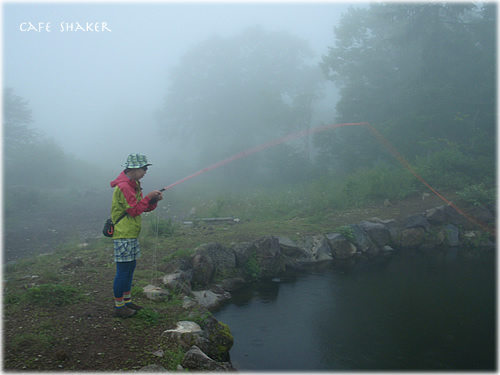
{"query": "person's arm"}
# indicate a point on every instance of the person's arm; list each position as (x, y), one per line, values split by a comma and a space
(136, 207)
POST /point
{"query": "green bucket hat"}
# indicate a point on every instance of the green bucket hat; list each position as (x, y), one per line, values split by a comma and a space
(136, 161)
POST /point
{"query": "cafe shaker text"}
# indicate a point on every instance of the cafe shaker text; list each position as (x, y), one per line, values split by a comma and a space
(65, 27)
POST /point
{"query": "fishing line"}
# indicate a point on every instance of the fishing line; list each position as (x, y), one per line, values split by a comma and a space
(154, 270)
(377, 135)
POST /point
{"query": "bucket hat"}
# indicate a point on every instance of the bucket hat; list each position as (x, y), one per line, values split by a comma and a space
(136, 161)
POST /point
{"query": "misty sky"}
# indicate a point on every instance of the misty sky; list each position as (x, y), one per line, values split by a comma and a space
(94, 93)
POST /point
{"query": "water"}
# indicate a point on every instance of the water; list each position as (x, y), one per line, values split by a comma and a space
(405, 312)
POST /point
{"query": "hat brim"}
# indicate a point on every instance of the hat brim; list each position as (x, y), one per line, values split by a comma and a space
(130, 167)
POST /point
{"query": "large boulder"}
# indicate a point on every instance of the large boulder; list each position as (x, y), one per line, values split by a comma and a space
(316, 247)
(456, 218)
(482, 214)
(214, 339)
(242, 252)
(377, 232)
(203, 270)
(394, 231)
(293, 250)
(186, 333)
(218, 339)
(178, 282)
(212, 262)
(265, 261)
(340, 246)
(360, 239)
(196, 360)
(412, 237)
(210, 299)
(436, 215)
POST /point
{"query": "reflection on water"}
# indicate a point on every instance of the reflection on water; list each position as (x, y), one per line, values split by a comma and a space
(410, 311)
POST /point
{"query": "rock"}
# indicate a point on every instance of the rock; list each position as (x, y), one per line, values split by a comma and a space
(456, 218)
(222, 259)
(159, 353)
(233, 283)
(203, 269)
(412, 237)
(482, 214)
(387, 249)
(361, 239)
(209, 299)
(377, 232)
(218, 339)
(211, 262)
(188, 303)
(475, 239)
(434, 238)
(186, 333)
(155, 293)
(316, 248)
(153, 368)
(242, 252)
(436, 216)
(293, 250)
(340, 247)
(416, 221)
(196, 360)
(394, 231)
(452, 235)
(179, 281)
(265, 262)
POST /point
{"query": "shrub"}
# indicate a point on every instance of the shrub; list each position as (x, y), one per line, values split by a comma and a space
(478, 195)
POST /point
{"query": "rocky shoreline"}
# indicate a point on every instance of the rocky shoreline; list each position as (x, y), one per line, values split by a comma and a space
(208, 278)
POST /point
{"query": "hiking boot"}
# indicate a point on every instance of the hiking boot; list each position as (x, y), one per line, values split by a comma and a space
(133, 306)
(124, 312)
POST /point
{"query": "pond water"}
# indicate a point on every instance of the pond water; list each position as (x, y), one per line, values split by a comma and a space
(407, 311)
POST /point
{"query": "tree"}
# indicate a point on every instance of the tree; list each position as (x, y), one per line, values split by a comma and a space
(31, 159)
(423, 73)
(17, 119)
(229, 94)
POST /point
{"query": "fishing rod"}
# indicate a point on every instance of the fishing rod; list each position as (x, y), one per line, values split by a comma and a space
(253, 150)
(377, 135)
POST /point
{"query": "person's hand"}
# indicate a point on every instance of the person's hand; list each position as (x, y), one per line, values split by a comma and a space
(155, 196)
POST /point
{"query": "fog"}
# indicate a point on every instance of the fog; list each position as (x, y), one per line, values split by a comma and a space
(96, 93)
(190, 84)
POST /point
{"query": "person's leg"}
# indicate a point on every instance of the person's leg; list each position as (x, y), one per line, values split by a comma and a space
(127, 294)
(120, 286)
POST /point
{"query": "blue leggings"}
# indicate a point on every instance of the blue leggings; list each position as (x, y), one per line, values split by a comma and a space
(123, 278)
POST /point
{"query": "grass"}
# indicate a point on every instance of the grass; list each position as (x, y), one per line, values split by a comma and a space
(53, 295)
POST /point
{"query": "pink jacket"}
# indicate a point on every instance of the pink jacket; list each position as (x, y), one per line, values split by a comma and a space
(128, 197)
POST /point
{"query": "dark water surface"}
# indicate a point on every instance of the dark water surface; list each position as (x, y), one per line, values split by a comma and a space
(409, 311)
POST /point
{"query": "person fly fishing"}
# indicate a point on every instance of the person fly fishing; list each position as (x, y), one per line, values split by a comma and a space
(126, 208)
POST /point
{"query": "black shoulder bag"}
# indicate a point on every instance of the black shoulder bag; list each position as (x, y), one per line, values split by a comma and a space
(109, 226)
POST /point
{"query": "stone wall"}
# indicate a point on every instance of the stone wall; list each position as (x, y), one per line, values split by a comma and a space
(207, 279)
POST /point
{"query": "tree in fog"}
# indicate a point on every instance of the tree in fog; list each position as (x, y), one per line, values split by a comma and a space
(423, 73)
(30, 159)
(232, 93)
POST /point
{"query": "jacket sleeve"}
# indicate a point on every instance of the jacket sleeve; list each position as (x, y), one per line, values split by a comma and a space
(136, 207)
(151, 206)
